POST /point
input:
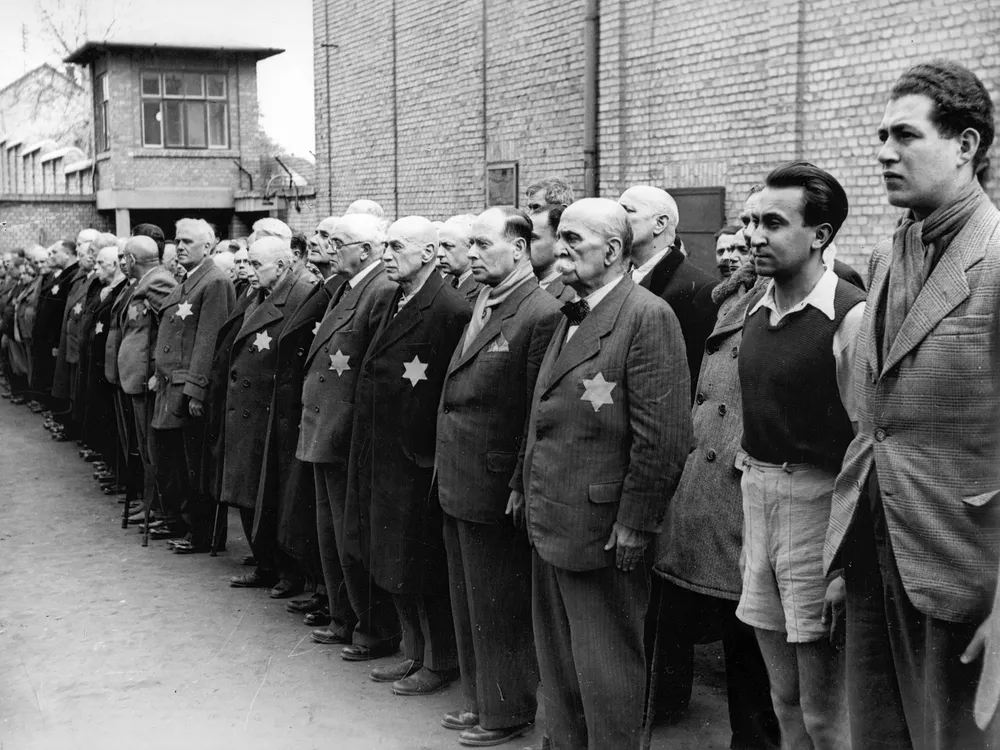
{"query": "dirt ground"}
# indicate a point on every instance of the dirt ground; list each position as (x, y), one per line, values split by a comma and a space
(106, 645)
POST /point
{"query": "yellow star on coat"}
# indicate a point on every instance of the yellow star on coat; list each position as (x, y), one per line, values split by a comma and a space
(134, 311)
(55, 289)
(262, 341)
(316, 328)
(78, 308)
(184, 309)
(340, 362)
(415, 371)
(598, 391)
(99, 328)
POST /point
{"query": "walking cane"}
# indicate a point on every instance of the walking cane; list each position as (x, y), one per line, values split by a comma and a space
(149, 507)
(213, 552)
(654, 680)
(131, 488)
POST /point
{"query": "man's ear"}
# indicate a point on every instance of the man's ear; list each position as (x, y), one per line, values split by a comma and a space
(968, 146)
(613, 251)
(520, 248)
(429, 253)
(822, 238)
(660, 224)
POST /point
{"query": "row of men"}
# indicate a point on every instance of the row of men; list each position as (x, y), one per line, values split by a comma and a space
(482, 477)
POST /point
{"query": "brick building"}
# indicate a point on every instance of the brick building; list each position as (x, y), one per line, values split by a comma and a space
(415, 100)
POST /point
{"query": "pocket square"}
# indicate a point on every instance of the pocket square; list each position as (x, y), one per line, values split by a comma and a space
(499, 344)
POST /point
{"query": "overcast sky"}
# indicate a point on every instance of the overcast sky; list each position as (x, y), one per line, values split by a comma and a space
(285, 82)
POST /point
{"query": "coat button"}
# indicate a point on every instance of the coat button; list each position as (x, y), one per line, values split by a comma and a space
(232, 376)
(246, 413)
(722, 410)
(447, 410)
(246, 383)
(316, 409)
(299, 352)
(710, 456)
(710, 349)
(880, 434)
(699, 399)
(166, 348)
(736, 352)
(322, 379)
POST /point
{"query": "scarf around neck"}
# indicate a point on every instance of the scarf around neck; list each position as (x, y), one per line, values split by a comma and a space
(917, 246)
(492, 297)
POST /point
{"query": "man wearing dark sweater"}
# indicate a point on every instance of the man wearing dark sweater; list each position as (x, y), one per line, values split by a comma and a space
(796, 366)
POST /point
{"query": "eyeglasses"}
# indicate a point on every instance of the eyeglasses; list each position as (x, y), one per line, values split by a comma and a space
(337, 244)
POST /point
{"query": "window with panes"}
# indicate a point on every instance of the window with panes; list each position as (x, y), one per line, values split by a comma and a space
(185, 110)
(103, 129)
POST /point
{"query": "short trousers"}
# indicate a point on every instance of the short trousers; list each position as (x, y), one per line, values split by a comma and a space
(786, 510)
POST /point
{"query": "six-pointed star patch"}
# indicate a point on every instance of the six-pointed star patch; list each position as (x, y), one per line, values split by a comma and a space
(316, 328)
(415, 371)
(598, 391)
(340, 362)
(99, 328)
(134, 311)
(55, 289)
(78, 308)
(184, 309)
(262, 341)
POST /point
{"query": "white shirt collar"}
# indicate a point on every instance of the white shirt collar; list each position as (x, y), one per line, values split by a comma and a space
(360, 275)
(407, 297)
(639, 273)
(821, 297)
(594, 298)
(465, 276)
(553, 275)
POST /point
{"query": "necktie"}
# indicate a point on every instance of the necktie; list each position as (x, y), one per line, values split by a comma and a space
(454, 282)
(576, 311)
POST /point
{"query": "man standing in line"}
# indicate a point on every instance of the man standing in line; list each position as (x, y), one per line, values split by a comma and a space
(480, 427)
(920, 547)
(192, 316)
(550, 191)
(365, 619)
(609, 430)
(392, 458)
(544, 235)
(453, 255)
(796, 368)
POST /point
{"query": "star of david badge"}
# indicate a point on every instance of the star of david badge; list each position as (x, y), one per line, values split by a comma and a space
(105, 292)
(316, 328)
(134, 311)
(55, 289)
(183, 310)
(99, 328)
(415, 371)
(78, 308)
(262, 341)
(598, 391)
(499, 344)
(340, 362)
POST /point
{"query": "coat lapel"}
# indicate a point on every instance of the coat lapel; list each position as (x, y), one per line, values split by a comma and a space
(506, 310)
(341, 314)
(659, 277)
(410, 316)
(946, 288)
(586, 342)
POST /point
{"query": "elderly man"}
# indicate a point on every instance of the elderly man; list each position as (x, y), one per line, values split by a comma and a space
(453, 255)
(921, 546)
(544, 235)
(139, 322)
(609, 430)
(367, 619)
(550, 191)
(366, 206)
(252, 364)
(480, 426)
(660, 265)
(50, 312)
(191, 318)
(392, 457)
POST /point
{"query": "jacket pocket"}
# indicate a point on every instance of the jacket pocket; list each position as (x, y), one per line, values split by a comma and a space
(501, 462)
(965, 324)
(606, 492)
(179, 377)
(981, 499)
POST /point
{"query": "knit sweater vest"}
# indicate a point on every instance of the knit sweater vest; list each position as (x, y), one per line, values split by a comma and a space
(792, 411)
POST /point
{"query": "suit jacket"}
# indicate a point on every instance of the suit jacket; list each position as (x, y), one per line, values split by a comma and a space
(48, 324)
(484, 404)
(702, 537)
(610, 428)
(688, 291)
(469, 289)
(114, 342)
(988, 691)
(392, 449)
(98, 407)
(192, 316)
(560, 291)
(927, 423)
(62, 381)
(27, 308)
(250, 389)
(333, 364)
(139, 323)
(286, 484)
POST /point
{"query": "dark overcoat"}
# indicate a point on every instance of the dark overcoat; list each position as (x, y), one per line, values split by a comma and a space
(48, 324)
(64, 379)
(396, 521)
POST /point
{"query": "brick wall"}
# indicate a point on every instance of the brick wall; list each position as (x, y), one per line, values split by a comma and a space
(693, 94)
(30, 219)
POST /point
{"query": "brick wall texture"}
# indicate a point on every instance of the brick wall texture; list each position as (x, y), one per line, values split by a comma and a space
(692, 94)
(29, 220)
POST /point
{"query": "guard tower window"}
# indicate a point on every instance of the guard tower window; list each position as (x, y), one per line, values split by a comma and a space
(185, 110)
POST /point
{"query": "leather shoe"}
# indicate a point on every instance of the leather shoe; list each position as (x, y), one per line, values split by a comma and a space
(314, 603)
(424, 682)
(357, 652)
(248, 560)
(286, 589)
(340, 635)
(318, 619)
(395, 672)
(460, 719)
(479, 737)
(257, 579)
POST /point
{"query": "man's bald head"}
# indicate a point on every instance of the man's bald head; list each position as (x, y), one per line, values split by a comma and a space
(361, 242)
(107, 264)
(365, 206)
(225, 263)
(595, 240)
(415, 229)
(142, 253)
(37, 254)
(412, 247)
(86, 235)
(653, 215)
(270, 259)
(270, 227)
